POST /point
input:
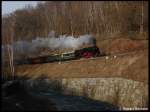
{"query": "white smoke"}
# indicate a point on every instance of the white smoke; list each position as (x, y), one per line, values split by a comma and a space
(51, 42)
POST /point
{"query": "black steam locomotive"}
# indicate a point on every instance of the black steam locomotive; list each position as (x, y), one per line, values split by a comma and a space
(77, 54)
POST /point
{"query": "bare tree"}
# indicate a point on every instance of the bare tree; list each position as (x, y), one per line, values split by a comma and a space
(142, 18)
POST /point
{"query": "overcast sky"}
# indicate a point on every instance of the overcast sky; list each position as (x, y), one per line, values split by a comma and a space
(11, 6)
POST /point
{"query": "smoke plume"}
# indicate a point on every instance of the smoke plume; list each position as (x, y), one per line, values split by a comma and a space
(52, 42)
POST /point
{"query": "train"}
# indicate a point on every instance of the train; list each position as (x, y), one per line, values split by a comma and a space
(88, 52)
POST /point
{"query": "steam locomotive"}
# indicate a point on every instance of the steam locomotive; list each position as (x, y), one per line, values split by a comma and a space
(77, 54)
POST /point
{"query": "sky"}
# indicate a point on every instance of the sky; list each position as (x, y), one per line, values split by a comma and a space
(11, 6)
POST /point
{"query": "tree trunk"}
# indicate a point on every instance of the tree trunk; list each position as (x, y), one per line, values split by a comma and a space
(142, 19)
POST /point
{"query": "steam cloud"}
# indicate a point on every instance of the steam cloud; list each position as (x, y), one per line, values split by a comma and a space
(52, 42)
